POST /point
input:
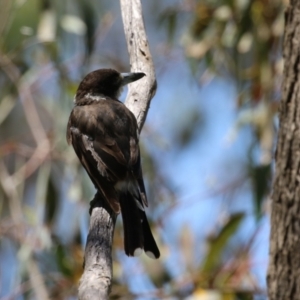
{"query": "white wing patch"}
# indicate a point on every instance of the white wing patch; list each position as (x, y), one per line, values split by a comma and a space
(100, 164)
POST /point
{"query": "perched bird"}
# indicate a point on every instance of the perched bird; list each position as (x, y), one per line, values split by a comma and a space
(104, 135)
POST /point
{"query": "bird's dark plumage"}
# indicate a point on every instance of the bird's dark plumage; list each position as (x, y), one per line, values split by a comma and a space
(104, 134)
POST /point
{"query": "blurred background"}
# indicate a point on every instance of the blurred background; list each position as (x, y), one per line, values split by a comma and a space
(207, 145)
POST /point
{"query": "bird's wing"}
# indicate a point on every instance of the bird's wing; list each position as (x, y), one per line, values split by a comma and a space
(107, 146)
(95, 166)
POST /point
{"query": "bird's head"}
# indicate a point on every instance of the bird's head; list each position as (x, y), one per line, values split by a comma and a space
(104, 82)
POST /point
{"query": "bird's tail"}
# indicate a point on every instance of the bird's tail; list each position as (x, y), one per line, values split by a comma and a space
(137, 232)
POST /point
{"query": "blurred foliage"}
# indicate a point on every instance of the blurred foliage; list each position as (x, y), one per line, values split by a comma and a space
(261, 185)
(240, 40)
(45, 48)
(218, 242)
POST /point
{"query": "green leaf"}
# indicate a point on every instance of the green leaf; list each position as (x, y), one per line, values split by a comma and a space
(189, 127)
(51, 202)
(169, 17)
(90, 19)
(63, 260)
(261, 177)
(203, 18)
(244, 296)
(218, 243)
(23, 24)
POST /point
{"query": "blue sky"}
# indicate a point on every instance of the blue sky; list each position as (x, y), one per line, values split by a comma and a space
(209, 163)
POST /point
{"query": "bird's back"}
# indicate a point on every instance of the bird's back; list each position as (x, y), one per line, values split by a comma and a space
(110, 124)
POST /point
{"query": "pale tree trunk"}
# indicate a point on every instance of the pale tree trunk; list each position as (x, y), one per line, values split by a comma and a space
(284, 263)
(95, 283)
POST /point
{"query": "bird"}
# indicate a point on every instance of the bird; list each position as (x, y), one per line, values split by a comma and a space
(105, 136)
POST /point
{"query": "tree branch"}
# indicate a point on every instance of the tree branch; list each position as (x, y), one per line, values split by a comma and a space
(96, 279)
(95, 282)
(284, 259)
(142, 91)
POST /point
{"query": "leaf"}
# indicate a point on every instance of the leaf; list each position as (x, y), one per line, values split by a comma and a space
(189, 123)
(73, 24)
(169, 17)
(261, 176)
(218, 243)
(24, 21)
(46, 31)
(90, 19)
(6, 105)
(51, 202)
(63, 261)
(244, 296)
(202, 19)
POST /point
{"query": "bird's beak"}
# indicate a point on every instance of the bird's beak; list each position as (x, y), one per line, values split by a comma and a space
(131, 77)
